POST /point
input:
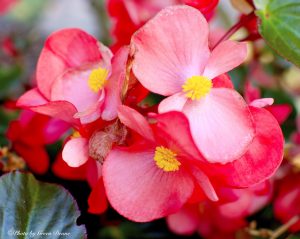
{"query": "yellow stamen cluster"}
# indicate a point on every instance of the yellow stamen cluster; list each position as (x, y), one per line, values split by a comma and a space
(166, 159)
(197, 87)
(97, 79)
(75, 134)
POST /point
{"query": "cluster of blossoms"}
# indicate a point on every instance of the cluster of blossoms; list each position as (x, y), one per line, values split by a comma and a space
(193, 158)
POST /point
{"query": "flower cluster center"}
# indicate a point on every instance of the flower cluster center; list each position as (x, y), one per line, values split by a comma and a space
(97, 79)
(197, 87)
(166, 159)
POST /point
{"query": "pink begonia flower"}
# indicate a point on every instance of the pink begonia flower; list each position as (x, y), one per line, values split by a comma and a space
(78, 79)
(156, 175)
(172, 58)
(207, 218)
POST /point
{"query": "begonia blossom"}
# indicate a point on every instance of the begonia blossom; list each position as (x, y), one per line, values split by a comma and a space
(78, 79)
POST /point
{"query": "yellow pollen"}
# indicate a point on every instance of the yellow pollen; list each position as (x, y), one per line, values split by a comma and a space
(197, 87)
(166, 159)
(75, 134)
(97, 79)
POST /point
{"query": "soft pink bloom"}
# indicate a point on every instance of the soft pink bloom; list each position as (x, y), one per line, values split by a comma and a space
(172, 58)
(78, 79)
(163, 169)
(221, 219)
(129, 15)
(156, 175)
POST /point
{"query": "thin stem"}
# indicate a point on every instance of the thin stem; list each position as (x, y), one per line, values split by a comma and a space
(235, 27)
(282, 229)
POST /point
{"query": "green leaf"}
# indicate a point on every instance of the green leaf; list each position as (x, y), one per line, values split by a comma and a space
(280, 26)
(33, 209)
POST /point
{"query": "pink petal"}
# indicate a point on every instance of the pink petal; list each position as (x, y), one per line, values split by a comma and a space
(135, 121)
(115, 85)
(31, 98)
(141, 191)
(226, 56)
(263, 102)
(54, 130)
(170, 48)
(185, 221)
(65, 49)
(262, 158)
(92, 113)
(221, 125)
(73, 87)
(222, 81)
(172, 103)
(34, 101)
(75, 152)
(205, 184)
(280, 112)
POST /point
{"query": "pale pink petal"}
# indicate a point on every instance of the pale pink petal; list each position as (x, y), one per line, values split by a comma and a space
(135, 121)
(58, 109)
(115, 85)
(75, 152)
(172, 103)
(261, 103)
(185, 221)
(170, 48)
(93, 112)
(139, 190)
(221, 125)
(31, 98)
(35, 101)
(262, 158)
(226, 56)
(73, 87)
(65, 49)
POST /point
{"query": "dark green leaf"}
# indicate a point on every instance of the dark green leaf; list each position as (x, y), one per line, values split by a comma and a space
(280, 26)
(29, 207)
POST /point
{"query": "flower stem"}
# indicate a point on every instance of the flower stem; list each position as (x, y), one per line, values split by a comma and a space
(234, 28)
(282, 229)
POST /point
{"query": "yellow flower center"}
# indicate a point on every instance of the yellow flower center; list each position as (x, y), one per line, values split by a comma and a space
(97, 79)
(76, 134)
(197, 87)
(166, 159)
